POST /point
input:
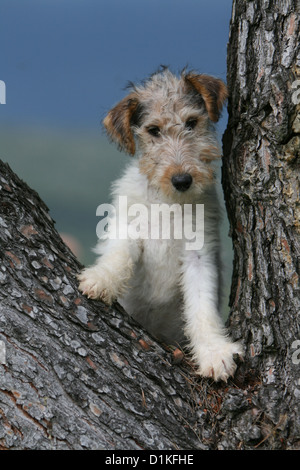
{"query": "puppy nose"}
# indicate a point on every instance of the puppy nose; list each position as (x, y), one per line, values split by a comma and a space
(182, 182)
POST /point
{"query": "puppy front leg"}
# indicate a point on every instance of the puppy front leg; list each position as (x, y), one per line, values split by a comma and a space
(212, 349)
(108, 278)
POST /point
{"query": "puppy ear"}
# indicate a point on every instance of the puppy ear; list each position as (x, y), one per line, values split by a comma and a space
(119, 121)
(213, 91)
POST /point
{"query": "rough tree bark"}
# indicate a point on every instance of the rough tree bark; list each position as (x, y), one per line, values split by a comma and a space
(261, 185)
(75, 374)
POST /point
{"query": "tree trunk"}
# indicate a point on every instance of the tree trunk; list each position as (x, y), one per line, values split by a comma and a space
(261, 185)
(75, 374)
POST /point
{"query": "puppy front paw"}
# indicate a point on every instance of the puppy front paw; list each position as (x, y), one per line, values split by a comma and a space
(216, 360)
(95, 286)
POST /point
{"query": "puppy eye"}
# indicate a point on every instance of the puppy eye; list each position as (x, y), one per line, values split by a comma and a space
(154, 130)
(191, 124)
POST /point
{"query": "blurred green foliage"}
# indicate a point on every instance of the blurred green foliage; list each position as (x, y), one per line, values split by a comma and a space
(72, 172)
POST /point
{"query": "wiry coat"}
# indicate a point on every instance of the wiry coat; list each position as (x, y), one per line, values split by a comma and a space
(173, 291)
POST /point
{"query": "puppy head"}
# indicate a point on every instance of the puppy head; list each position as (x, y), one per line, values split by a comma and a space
(161, 91)
(171, 118)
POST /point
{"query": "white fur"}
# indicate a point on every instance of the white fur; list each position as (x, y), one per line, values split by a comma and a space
(172, 291)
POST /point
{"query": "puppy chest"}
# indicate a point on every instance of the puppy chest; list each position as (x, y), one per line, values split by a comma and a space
(158, 271)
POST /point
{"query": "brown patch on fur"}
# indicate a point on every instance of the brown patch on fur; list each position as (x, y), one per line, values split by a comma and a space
(165, 180)
(210, 153)
(204, 177)
(147, 166)
(119, 120)
(213, 91)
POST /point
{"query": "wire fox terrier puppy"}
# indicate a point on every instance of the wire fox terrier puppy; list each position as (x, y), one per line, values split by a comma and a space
(169, 285)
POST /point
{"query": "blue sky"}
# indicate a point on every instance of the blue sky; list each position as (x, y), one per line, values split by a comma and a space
(66, 62)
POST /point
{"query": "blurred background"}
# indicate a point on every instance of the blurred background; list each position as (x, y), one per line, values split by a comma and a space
(65, 63)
